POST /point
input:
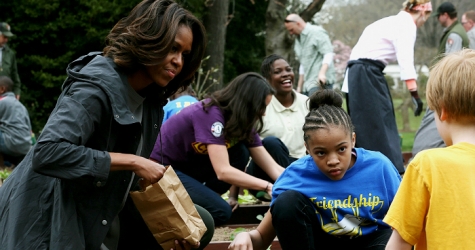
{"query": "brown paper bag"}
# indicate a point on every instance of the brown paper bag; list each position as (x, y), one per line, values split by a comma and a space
(168, 211)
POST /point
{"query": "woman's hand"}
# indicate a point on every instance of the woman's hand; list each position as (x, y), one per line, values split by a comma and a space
(150, 171)
(322, 79)
(233, 203)
(269, 189)
(233, 197)
(242, 241)
(184, 245)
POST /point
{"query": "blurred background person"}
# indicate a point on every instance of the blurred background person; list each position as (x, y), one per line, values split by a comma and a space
(314, 51)
(369, 100)
(468, 22)
(454, 37)
(178, 101)
(8, 66)
(15, 126)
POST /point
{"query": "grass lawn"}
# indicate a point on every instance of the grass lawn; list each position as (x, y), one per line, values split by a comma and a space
(407, 137)
(414, 122)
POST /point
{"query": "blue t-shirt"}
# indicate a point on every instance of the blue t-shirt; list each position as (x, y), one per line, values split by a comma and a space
(175, 106)
(352, 206)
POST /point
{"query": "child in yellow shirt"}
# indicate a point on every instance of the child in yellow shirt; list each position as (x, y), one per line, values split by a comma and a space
(433, 208)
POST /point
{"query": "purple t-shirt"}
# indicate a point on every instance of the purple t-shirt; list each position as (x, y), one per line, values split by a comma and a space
(185, 135)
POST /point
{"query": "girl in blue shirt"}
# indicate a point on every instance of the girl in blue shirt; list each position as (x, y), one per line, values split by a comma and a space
(336, 196)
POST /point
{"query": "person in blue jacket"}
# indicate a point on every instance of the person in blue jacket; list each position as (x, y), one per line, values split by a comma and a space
(336, 196)
(71, 191)
(180, 100)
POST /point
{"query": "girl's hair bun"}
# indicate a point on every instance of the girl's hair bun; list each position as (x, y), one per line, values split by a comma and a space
(325, 97)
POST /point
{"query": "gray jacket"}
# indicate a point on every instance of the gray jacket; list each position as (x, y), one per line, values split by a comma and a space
(15, 124)
(427, 135)
(62, 195)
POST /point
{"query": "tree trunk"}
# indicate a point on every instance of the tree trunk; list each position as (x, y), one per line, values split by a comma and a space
(312, 9)
(404, 107)
(277, 39)
(215, 22)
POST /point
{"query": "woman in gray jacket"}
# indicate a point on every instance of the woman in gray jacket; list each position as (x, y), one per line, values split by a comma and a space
(73, 185)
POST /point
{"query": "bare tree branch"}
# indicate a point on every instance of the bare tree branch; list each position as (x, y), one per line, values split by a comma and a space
(314, 7)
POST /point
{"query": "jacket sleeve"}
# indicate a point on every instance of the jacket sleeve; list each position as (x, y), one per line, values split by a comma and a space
(15, 77)
(61, 149)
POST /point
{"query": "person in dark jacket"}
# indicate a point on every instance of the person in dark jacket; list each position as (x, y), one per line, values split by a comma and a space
(8, 66)
(72, 188)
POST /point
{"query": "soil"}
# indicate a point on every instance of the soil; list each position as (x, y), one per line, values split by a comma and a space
(226, 233)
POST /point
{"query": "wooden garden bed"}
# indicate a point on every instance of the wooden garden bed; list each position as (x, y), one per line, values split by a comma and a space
(223, 245)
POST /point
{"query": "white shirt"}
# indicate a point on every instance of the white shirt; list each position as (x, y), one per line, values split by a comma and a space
(301, 70)
(286, 123)
(387, 40)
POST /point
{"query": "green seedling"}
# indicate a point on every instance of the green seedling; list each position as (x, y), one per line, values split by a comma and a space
(260, 217)
(243, 199)
(4, 174)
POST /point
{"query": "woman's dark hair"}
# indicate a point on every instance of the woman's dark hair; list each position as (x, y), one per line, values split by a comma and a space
(243, 102)
(147, 35)
(325, 111)
(266, 66)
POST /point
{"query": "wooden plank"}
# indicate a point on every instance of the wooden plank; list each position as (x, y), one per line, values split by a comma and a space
(241, 225)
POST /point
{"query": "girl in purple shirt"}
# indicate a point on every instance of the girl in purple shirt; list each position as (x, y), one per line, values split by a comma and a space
(208, 144)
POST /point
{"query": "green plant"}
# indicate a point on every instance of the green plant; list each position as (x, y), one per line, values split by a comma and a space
(4, 174)
(243, 199)
(204, 81)
(260, 217)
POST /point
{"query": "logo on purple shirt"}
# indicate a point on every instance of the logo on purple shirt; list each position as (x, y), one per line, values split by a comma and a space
(217, 129)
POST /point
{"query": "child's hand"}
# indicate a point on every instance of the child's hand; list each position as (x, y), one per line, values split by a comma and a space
(241, 241)
(233, 203)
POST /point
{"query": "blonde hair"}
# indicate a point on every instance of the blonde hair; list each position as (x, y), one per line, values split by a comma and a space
(451, 85)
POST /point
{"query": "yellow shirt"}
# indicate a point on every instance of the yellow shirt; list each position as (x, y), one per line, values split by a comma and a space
(434, 207)
(286, 123)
